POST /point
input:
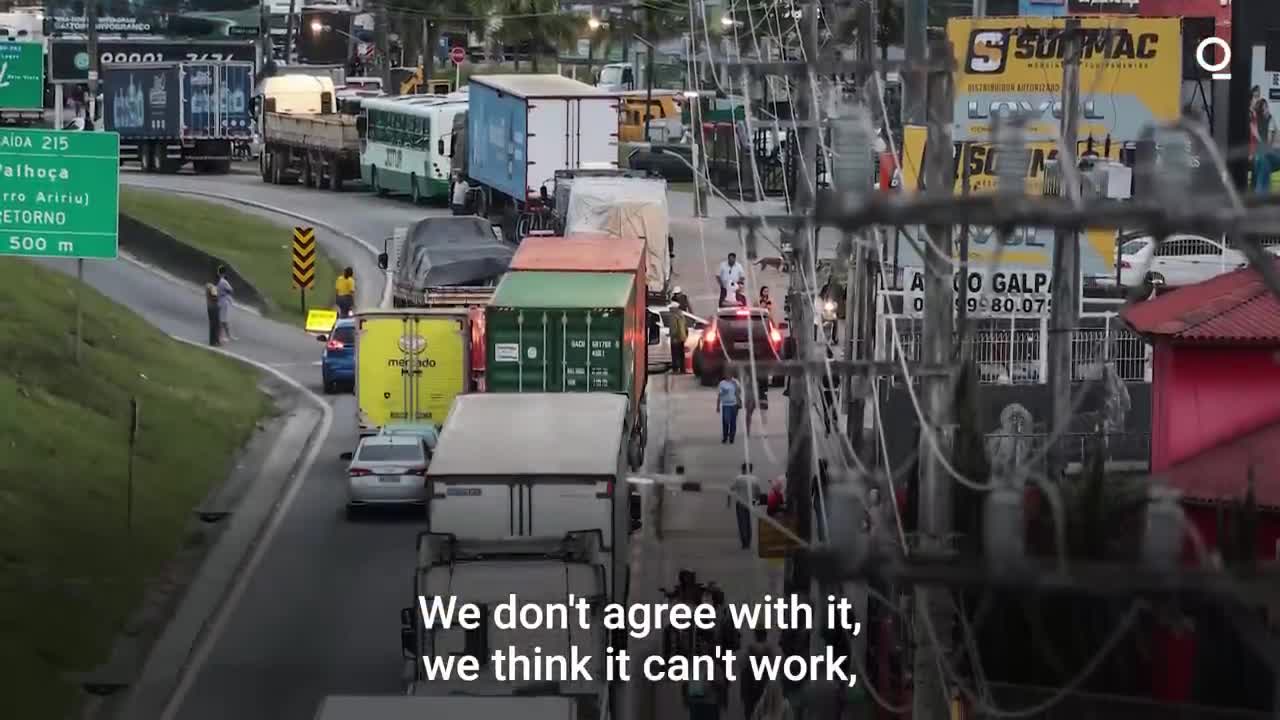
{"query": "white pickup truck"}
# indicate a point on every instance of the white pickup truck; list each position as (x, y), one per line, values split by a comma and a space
(303, 136)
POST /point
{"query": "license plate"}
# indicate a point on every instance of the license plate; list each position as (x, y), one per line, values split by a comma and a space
(742, 346)
(389, 478)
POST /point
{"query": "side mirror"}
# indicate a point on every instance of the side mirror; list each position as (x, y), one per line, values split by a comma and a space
(440, 146)
(322, 338)
(408, 643)
(671, 246)
(382, 260)
(654, 334)
(346, 456)
(406, 616)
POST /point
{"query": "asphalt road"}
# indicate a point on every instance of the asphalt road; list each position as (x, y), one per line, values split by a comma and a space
(321, 613)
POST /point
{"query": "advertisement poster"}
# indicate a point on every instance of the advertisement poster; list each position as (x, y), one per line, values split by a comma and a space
(1042, 8)
(1102, 7)
(1130, 74)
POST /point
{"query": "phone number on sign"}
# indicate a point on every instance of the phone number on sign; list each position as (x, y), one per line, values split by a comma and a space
(1032, 305)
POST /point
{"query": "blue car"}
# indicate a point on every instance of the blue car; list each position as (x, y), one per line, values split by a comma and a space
(338, 363)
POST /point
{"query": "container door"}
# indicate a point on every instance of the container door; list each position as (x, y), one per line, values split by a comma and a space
(591, 356)
(476, 511)
(436, 365)
(235, 88)
(551, 508)
(382, 370)
(597, 125)
(521, 357)
(199, 90)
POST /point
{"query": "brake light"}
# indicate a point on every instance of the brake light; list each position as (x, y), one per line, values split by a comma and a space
(743, 312)
(334, 345)
(420, 472)
(709, 336)
(1124, 265)
(359, 472)
(775, 337)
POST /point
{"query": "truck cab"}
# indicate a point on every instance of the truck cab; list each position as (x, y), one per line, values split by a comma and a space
(487, 573)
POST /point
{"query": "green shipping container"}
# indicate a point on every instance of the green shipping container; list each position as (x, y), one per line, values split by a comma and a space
(566, 332)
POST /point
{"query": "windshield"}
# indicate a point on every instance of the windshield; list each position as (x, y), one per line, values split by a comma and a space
(611, 75)
(345, 334)
(407, 452)
(1133, 247)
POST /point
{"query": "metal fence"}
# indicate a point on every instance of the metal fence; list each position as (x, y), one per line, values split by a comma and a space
(1124, 448)
(1015, 350)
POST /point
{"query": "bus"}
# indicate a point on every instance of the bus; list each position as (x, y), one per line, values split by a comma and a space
(407, 144)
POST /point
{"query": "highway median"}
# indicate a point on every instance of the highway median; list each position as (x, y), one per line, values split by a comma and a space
(256, 248)
(76, 557)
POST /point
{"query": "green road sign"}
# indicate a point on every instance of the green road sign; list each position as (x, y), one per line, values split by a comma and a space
(21, 76)
(59, 193)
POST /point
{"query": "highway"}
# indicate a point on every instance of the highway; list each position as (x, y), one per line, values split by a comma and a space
(320, 615)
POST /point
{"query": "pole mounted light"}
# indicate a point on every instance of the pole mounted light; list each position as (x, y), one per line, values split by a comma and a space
(593, 23)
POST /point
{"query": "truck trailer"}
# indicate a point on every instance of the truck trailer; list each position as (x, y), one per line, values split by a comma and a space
(304, 137)
(172, 113)
(521, 129)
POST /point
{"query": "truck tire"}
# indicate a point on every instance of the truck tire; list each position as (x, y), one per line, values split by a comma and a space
(148, 151)
(264, 165)
(221, 167)
(415, 195)
(335, 174)
(373, 182)
(308, 172)
(277, 167)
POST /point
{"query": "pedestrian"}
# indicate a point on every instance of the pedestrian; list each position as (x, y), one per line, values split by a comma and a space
(740, 294)
(1263, 134)
(679, 334)
(344, 291)
(211, 308)
(678, 296)
(750, 400)
(776, 500)
(773, 704)
(728, 400)
(224, 303)
(765, 302)
(751, 687)
(705, 699)
(742, 495)
(729, 274)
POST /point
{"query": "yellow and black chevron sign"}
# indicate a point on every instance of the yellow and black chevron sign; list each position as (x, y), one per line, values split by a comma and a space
(304, 257)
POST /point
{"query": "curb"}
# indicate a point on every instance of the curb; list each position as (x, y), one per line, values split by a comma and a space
(386, 287)
(179, 647)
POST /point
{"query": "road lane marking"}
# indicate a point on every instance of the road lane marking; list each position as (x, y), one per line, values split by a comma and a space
(386, 285)
(209, 639)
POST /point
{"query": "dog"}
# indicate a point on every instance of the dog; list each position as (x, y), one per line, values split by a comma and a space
(773, 263)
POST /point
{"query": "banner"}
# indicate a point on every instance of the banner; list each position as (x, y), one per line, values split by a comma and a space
(1092, 7)
(69, 58)
(1042, 8)
(1130, 74)
(1001, 293)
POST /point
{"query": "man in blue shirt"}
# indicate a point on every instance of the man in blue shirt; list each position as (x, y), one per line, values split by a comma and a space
(728, 400)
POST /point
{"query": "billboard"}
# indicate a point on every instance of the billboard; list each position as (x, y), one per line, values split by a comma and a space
(1130, 74)
(69, 58)
(1097, 7)
(1042, 8)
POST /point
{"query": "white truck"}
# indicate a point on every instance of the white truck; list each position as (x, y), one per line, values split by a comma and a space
(303, 136)
(486, 573)
(400, 707)
(518, 465)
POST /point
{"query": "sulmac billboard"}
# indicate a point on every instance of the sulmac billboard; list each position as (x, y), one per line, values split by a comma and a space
(1130, 74)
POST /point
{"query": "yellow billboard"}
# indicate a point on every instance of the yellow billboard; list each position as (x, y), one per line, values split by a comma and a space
(1130, 74)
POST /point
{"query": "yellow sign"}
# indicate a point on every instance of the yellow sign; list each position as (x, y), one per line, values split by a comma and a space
(321, 321)
(304, 257)
(772, 542)
(1130, 74)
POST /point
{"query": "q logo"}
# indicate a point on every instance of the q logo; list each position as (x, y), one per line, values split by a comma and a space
(1206, 63)
(988, 51)
(81, 61)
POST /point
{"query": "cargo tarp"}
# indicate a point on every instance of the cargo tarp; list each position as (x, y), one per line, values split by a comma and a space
(625, 207)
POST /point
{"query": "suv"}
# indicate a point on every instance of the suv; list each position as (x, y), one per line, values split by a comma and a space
(736, 335)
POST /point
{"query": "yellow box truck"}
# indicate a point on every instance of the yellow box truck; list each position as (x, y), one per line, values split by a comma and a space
(410, 365)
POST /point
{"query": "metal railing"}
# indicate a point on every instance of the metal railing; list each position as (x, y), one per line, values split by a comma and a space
(1014, 351)
(1102, 706)
(1077, 447)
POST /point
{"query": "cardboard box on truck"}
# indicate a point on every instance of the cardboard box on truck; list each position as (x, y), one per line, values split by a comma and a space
(410, 365)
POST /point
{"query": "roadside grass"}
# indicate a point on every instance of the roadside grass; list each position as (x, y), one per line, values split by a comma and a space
(70, 574)
(258, 249)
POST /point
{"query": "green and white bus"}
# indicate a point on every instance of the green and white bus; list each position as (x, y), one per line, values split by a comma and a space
(407, 143)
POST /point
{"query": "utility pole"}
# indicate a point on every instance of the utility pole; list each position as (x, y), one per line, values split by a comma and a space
(289, 30)
(799, 412)
(915, 26)
(91, 19)
(384, 49)
(1066, 261)
(701, 178)
(931, 698)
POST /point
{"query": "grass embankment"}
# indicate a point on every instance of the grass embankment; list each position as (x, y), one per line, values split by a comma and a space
(258, 249)
(70, 574)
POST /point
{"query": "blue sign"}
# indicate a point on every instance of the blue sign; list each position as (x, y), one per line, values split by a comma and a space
(1042, 8)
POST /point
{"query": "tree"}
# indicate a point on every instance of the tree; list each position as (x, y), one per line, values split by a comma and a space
(538, 25)
(437, 14)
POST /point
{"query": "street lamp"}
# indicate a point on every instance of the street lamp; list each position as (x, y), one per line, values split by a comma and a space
(318, 27)
(593, 23)
(726, 21)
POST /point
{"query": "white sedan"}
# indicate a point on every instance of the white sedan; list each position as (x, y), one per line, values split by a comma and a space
(388, 470)
(660, 349)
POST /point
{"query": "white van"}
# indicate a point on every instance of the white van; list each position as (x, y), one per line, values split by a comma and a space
(509, 466)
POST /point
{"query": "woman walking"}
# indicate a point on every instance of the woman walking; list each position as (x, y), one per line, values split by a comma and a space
(750, 400)
(728, 400)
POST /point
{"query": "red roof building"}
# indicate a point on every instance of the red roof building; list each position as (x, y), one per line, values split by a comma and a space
(1215, 396)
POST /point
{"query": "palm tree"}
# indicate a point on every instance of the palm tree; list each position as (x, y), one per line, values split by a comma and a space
(538, 24)
(438, 14)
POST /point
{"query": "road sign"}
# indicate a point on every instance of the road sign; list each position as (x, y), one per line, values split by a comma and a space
(59, 193)
(304, 257)
(21, 76)
(458, 55)
(321, 321)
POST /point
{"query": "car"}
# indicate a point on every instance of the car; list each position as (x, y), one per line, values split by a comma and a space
(388, 469)
(660, 322)
(338, 360)
(1180, 260)
(736, 334)
(429, 433)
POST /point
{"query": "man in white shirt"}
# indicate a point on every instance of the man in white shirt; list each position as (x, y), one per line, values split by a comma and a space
(729, 274)
(742, 494)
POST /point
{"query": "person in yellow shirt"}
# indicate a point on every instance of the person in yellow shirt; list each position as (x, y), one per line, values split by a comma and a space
(344, 290)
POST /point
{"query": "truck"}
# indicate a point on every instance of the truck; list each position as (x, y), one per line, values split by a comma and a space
(624, 204)
(521, 129)
(169, 114)
(513, 467)
(456, 707)
(410, 365)
(544, 569)
(571, 332)
(304, 137)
